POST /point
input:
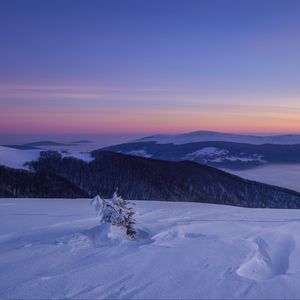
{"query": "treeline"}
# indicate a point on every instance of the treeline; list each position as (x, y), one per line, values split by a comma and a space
(22, 183)
(140, 178)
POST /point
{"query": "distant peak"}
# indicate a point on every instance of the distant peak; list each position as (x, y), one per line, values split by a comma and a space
(213, 136)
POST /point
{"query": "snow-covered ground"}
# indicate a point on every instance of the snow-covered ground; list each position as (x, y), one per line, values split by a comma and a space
(56, 249)
(284, 175)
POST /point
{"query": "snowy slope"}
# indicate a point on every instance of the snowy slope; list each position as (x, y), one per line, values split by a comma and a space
(16, 158)
(85, 156)
(206, 136)
(55, 249)
(141, 153)
(217, 155)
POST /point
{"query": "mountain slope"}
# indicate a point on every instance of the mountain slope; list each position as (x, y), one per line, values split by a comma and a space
(217, 154)
(147, 179)
(24, 184)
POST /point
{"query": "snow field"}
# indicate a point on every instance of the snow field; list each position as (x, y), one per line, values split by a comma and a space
(55, 248)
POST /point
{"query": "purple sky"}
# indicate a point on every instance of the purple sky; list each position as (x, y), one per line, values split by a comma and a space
(125, 66)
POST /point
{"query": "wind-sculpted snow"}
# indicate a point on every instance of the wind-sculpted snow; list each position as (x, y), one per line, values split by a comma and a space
(271, 256)
(56, 249)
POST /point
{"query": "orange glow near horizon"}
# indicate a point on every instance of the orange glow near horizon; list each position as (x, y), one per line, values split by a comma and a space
(58, 108)
(125, 120)
(143, 67)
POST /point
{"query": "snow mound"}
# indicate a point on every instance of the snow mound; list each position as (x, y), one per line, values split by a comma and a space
(96, 237)
(270, 259)
(104, 236)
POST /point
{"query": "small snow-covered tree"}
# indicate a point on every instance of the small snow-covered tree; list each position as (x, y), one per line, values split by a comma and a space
(116, 211)
(126, 212)
(104, 210)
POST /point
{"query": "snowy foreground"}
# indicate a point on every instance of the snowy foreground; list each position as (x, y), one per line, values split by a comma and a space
(56, 249)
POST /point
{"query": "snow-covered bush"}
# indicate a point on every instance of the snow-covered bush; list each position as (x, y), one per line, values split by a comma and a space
(116, 211)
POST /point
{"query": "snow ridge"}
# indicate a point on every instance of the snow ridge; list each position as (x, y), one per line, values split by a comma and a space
(271, 257)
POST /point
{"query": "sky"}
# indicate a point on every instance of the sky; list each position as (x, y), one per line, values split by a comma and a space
(141, 66)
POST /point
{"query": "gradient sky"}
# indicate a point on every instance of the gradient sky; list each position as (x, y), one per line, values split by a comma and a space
(149, 66)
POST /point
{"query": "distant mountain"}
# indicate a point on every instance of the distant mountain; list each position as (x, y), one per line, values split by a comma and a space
(227, 155)
(20, 147)
(44, 143)
(49, 145)
(81, 142)
(142, 179)
(212, 136)
(37, 145)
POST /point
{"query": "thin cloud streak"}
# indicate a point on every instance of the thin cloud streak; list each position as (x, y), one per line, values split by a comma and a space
(100, 120)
